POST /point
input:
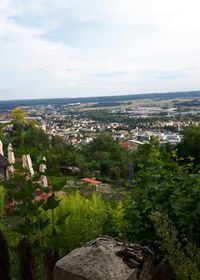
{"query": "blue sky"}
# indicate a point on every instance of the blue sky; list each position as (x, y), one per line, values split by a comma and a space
(76, 48)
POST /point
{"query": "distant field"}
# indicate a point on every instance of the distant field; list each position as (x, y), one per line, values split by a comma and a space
(187, 101)
(10, 104)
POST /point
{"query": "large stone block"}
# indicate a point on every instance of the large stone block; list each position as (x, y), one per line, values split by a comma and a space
(105, 259)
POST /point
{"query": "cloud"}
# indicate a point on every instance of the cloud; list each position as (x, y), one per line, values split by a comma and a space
(70, 48)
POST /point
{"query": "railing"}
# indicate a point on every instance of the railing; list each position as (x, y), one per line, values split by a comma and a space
(25, 260)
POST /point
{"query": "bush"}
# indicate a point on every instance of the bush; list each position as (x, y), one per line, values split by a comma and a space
(185, 260)
(78, 219)
(2, 203)
(163, 185)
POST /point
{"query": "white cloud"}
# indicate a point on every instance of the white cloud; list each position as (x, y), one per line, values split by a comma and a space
(135, 46)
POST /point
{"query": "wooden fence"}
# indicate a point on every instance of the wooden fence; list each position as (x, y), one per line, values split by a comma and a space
(25, 261)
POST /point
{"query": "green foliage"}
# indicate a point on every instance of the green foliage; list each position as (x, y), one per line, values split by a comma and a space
(26, 216)
(185, 260)
(29, 139)
(78, 219)
(59, 145)
(2, 203)
(163, 185)
(2, 136)
(109, 156)
(114, 223)
(62, 222)
(189, 147)
(63, 154)
(164, 182)
(18, 115)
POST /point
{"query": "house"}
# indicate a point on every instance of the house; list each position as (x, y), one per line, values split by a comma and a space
(118, 136)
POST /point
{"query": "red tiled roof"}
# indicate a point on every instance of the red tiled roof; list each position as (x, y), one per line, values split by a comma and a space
(40, 196)
(10, 204)
(91, 181)
(128, 145)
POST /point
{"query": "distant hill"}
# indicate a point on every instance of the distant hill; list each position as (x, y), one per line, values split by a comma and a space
(10, 104)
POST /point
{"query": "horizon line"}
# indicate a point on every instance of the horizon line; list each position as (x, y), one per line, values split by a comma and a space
(102, 96)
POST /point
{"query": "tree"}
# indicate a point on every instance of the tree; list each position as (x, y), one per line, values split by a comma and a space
(110, 156)
(163, 185)
(19, 122)
(190, 145)
(18, 115)
(185, 260)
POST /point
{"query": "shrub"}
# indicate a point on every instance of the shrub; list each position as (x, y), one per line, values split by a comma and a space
(2, 203)
(185, 260)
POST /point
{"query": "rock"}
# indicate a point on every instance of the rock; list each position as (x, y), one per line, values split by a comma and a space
(105, 259)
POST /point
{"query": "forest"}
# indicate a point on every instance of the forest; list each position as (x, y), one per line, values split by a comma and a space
(159, 207)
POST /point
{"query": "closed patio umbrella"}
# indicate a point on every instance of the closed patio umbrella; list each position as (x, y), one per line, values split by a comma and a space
(11, 159)
(44, 181)
(30, 166)
(1, 148)
(24, 162)
(42, 169)
(27, 163)
(11, 156)
(42, 166)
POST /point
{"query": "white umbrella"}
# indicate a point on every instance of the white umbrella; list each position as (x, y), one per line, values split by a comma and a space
(1, 148)
(24, 162)
(44, 181)
(11, 156)
(27, 163)
(42, 169)
(11, 169)
(42, 166)
(30, 166)
(11, 159)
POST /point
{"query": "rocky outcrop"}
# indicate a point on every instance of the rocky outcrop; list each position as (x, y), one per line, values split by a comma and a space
(105, 259)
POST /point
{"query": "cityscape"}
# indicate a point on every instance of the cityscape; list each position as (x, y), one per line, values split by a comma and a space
(131, 122)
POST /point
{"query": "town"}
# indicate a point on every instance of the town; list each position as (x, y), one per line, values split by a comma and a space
(132, 122)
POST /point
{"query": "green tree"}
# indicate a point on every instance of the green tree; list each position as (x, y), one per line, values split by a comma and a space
(2, 203)
(109, 156)
(185, 260)
(163, 185)
(18, 115)
(189, 146)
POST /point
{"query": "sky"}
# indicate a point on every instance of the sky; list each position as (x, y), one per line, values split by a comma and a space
(77, 48)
